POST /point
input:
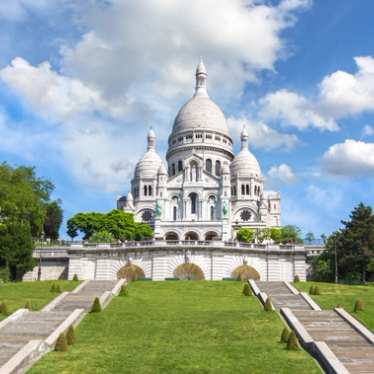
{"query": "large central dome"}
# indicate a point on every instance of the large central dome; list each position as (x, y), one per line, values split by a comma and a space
(200, 112)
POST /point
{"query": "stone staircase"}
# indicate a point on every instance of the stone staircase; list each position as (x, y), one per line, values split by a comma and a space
(347, 346)
(41, 329)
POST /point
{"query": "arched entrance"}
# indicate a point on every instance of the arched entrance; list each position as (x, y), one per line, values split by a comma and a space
(171, 236)
(191, 235)
(211, 235)
(245, 272)
(130, 272)
(188, 271)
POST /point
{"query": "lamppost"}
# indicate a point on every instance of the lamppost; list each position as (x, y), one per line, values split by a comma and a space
(336, 261)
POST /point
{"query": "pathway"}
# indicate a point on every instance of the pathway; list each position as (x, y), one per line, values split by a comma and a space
(26, 335)
(347, 346)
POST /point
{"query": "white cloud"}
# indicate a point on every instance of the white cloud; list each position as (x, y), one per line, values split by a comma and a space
(17, 10)
(294, 110)
(261, 135)
(283, 173)
(368, 130)
(343, 94)
(351, 158)
(151, 47)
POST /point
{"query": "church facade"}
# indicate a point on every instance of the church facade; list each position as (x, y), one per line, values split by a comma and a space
(203, 191)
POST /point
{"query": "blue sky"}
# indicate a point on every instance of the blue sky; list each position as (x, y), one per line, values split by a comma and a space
(82, 81)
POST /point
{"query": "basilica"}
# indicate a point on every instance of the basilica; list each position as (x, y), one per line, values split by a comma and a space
(204, 191)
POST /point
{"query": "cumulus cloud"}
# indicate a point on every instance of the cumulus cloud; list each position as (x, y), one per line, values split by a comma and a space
(295, 110)
(326, 198)
(340, 94)
(261, 135)
(283, 173)
(351, 158)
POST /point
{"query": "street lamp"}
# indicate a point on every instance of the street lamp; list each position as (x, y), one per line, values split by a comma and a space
(336, 261)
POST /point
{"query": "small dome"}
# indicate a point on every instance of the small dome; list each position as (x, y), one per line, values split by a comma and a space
(162, 169)
(245, 163)
(148, 166)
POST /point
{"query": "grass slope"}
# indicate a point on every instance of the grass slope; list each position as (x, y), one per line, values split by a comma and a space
(179, 327)
(15, 295)
(345, 296)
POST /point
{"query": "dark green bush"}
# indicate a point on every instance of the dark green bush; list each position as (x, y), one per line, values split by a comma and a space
(53, 288)
(312, 290)
(96, 306)
(4, 309)
(61, 344)
(359, 306)
(247, 290)
(296, 279)
(28, 305)
(124, 291)
(75, 278)
(285, 335)
(293, 343)
(268, 307)
(58, 289)
(70, 336)
(317, 291)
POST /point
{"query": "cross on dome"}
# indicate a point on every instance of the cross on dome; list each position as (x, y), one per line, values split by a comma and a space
(201, 78)
(244, 137)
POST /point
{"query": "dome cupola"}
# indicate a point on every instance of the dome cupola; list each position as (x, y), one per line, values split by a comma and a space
(150, 163)
(245, 163)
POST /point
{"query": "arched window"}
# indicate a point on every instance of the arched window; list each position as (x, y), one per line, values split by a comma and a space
(193, 198)
(175, 210)
(145, 190)
(256, 190)
(208, 165)
(234, 190)
(180, 165)
(173, 169)
(218, 168)
(212, 213)
(149, 190)
(194, 171)
(243, 189)
(247, 189)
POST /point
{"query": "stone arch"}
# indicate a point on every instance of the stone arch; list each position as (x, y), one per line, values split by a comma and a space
(191, 235)
(211, 235)
(245, 272)
(171, 235)
(189, 271)
(130, 272)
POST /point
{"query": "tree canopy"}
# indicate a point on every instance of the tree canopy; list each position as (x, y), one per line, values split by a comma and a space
(353, 245)
(24, 198)
(119, 224)
(283, 235)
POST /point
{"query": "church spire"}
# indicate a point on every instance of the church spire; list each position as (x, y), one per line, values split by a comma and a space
(151, 139)
(244, 137)
(201, 78)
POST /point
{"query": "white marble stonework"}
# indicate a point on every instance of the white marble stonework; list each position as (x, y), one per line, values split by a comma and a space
(203, 191)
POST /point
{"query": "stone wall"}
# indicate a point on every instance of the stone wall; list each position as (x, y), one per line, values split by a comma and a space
(51, 269)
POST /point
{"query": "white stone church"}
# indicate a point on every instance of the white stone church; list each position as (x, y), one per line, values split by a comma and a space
(205, 192)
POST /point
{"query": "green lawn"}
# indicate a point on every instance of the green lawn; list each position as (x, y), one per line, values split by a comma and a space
(179, 327)
(15, 295)
(345, 296)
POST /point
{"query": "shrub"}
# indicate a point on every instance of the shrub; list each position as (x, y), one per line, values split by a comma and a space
(245, 272)
(124, 291)
(312, 290)
(75, 278)
(359, 305)
(70, 335)
(53, 288)
(61, 344)
(285, 335)
(58, 289)
(296, 279)
(130, 272)
(293, 343)
(317, 291)
(28, 305)
(268, 307)
(247, 290)
(188, 271)
(96, 306)
(4, 309)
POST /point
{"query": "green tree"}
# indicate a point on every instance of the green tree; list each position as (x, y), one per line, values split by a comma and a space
(245, 235)
(102, 237)
(53, 220)
(309, 237)
(263, 234)
(119, 224)
(291, 234)
(276, 235)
